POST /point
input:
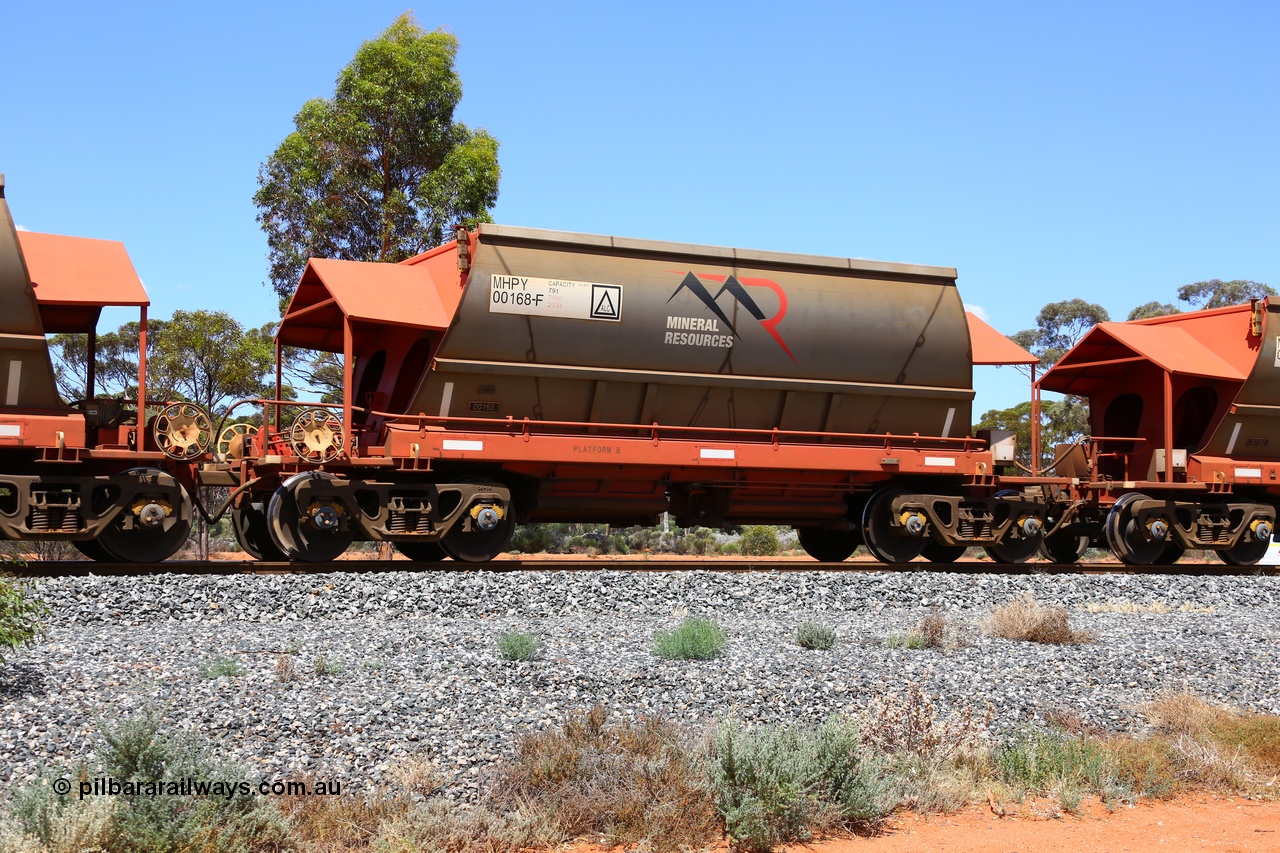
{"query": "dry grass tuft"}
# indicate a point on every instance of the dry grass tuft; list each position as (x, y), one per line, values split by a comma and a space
(634, 783)
(908, 724)
(1024, 618)
(933, 630)
(1123, 605)
(1070, 722)
(286, 670)
(1183, 714)
(1146, 767)
(1255, 735)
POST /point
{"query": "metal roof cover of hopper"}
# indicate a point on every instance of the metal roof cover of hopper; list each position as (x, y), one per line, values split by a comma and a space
(73, 277)
(363, 291)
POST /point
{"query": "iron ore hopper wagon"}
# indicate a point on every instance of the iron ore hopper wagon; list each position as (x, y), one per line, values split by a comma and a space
(517, 375)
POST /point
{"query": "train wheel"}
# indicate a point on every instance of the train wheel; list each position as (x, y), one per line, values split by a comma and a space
(827, 546)
(878, 533)
(1171, 554)
(313, 533)
(1014, 550)
(1124, 537)
(1246, 552)
(159, 530)
(489, 534)
(253, 534)
(936, 552)
(1064, 548)
(422, 552)
(93, 549)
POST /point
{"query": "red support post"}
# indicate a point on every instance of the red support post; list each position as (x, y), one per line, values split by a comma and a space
(275, 414)
(142, 375)
(1168, 427)
(348, 346)
(1035, 424)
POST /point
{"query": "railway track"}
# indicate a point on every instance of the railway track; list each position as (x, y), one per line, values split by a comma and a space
(83, 568)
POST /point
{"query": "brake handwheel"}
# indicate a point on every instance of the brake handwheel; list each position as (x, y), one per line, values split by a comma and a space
(234, 439)
(316, 435)
(182, 431)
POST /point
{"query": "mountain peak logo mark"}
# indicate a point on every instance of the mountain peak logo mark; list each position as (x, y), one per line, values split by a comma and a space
(737, 288)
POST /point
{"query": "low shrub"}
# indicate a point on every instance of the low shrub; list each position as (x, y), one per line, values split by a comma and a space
(758, 540)
(811, 635)
(933, 632)
(908, 724)
(160, 813)
(516, 646)
(1024, 618)
(1183, 714)
(693, 639)
(286, 668)
(636, 784)
(325, 665)
(783, 784)
(219, 666)
(1050, 763)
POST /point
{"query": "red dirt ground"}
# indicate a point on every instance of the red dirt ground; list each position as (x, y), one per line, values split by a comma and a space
(1192, 824)
(1196, 823)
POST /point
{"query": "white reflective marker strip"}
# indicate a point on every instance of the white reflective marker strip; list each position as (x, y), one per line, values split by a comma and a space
(1235, 433)
(459, 444)
(714, 453)
(1249, 472)
(445, 399)
(940, 461)
(15, 382)
(10, 430)
(946, 427)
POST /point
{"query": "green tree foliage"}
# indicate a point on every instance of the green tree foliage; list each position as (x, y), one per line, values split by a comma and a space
(116, 360)
(21, 614)
(207, 357)
(1153, 309)
(1061, 422)
(315, 369)
(380, 171)
(1059, 325)
(1216, 293)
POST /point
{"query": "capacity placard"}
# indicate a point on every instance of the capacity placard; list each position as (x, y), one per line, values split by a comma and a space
(553, 297)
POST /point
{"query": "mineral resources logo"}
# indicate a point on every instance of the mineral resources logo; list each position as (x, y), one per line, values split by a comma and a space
(708, 332)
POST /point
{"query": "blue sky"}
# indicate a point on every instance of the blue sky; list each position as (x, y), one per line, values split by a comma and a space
(1110, 151)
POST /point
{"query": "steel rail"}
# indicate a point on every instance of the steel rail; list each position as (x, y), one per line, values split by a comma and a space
(83, 568)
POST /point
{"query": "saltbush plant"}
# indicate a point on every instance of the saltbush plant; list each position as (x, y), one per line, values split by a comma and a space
(693, 639)
(783, 784)
(516, 646)
(812, 635)
(158, 810)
